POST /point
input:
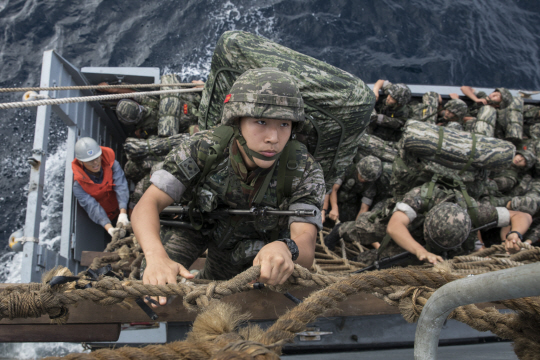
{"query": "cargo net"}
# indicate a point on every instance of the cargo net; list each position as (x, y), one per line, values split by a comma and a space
(219, 331)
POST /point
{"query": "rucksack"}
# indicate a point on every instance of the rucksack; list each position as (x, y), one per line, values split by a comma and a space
(337, 104)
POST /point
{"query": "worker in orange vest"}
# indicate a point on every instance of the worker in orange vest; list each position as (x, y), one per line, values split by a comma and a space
(100, 185)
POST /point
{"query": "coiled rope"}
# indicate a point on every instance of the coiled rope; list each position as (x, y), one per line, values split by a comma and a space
(16, 105)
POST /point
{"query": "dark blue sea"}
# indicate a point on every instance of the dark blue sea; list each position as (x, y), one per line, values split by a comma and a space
(487, 43)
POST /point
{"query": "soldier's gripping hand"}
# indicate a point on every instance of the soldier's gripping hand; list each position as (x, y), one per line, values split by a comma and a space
(276, 263)
(424, 255)
(160, 270)
(334, 214)
(512, 243)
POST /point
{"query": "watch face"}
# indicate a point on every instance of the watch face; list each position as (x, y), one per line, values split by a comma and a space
(293, 248)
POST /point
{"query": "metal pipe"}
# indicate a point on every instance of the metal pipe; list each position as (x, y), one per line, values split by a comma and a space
(514, 283)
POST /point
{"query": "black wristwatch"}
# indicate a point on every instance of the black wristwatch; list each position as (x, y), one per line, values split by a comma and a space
(293, 248)
(515, 232)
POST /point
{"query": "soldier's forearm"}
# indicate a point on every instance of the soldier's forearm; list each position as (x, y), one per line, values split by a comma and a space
(145, 221)
(305, 236)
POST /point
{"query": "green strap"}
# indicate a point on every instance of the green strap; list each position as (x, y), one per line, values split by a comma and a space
(221, 136)
(374, 215)
(384, 244)
(288, 170)
(471, 156)
(439, 145)
(427, 193)
(472, 206)
(262, 189)
(150, 150)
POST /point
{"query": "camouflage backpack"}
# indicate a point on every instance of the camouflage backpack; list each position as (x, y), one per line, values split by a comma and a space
(337, 104)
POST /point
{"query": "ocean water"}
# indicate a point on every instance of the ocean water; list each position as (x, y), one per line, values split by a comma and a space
(459, 42)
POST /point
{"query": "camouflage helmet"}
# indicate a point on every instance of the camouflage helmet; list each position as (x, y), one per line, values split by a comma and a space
(529, 157)
(447, 226)
(129, 112)
(506, 97)
(400, 92)
(456, 107)
(369, 168)
(264, 93)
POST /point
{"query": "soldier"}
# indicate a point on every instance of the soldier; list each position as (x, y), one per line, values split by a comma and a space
(143, 115)
(454, 111)
(500, 98)
(446, 227)
(390, 113)
(248, 161)
(170, 115)
(359, 183)
(508, 179)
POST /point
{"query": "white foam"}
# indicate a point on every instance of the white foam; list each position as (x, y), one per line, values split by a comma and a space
(50, 227)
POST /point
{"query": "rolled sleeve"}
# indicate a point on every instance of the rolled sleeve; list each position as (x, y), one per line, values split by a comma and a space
(169, 184)
(367, 201)
(315, 220)
(503, 216)
(409, 211)
(95, 211)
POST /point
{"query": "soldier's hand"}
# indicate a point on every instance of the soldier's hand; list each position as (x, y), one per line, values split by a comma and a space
(334, 214)
(276, 263)
(512, 243)
(453, 96)
(425, 255)
(162, 271)
(483, 101)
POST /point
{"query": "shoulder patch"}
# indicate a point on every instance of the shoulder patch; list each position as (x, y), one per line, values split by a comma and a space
(189, 168)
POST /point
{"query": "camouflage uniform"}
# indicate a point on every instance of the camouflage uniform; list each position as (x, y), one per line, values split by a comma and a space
(506, 99)
(135, 171)
(143, 114)
(428, 109)
(457, 107)
(143, 184)
(177, 112)
(531, 118)
(371, 226)
(352, 189)
(514, 180)
(387, 120)
(234, 241)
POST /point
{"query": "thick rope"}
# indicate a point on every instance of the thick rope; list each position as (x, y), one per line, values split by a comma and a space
(23, 104)
(95, 87)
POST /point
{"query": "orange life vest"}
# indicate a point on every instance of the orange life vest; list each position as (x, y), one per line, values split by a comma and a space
(103, 193)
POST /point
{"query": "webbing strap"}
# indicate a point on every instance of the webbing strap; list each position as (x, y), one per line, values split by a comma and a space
(427, 193)
(384, 243)
(439, 145)
(288, 168)
(374, 215)
(262, 189)
(471, 156)
(150, 149)
(221, 136)
(472, 206)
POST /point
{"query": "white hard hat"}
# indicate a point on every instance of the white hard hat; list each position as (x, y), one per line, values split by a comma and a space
(87, 149)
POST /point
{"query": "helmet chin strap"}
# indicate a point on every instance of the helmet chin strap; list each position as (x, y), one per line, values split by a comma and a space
(250, 153)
